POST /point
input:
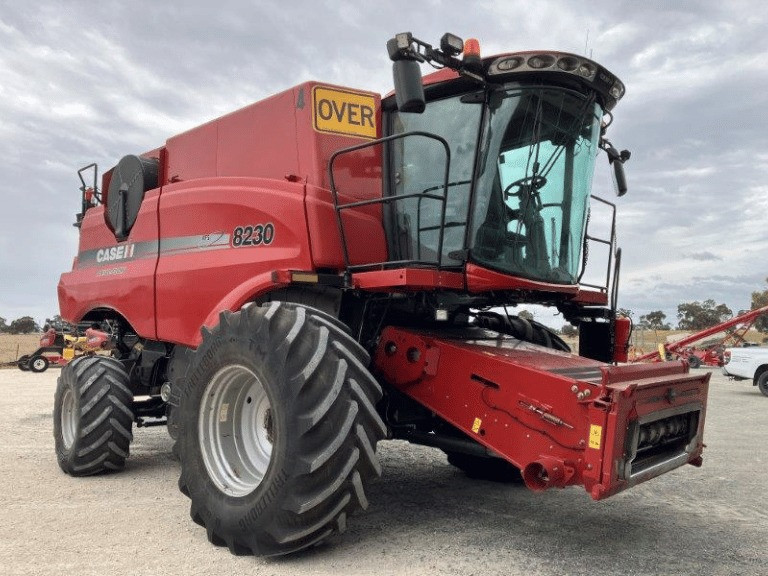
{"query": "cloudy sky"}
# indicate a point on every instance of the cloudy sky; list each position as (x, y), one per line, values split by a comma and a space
(84, 82)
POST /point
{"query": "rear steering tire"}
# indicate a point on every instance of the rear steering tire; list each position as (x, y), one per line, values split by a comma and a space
(92, 416)
(278, 429)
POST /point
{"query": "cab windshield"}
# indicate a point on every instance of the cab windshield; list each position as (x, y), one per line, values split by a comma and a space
(526, 212)
(533, 183)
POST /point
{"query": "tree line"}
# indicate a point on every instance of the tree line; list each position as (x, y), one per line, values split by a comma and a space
(23, 325)
(28, 325)
(701, 315)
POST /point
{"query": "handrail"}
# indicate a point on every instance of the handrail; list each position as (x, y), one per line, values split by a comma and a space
(610, 242)
(390, 199)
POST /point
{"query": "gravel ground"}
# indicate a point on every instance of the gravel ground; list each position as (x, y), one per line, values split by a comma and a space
(425, 517)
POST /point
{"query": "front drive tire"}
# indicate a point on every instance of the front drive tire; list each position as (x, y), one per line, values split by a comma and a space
(92, 416)
(762, 383)
(278, 429)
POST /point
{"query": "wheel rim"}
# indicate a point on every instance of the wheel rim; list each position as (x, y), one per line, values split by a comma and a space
(38, 364)
(68, 420)
(236, 430)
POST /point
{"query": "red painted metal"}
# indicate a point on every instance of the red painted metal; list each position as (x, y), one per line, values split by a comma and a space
(481, 279)
(683, 346)
(128, 287)
(48, 338)
(562, 419)
(244, 169)
(622, 332)
(407, 279)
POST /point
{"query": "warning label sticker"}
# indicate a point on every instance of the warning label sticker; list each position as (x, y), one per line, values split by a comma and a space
(595, 436)
(344, 112)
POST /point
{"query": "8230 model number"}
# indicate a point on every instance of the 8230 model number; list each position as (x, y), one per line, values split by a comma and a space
(258, 235)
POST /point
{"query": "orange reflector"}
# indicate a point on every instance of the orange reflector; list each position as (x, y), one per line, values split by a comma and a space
(472, 48)
(304, 277)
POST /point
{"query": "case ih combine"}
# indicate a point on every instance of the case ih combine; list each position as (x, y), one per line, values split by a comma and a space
(324, 269)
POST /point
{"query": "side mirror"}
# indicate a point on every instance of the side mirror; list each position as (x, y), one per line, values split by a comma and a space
(620, 177)
(617, 159)
(409, 91)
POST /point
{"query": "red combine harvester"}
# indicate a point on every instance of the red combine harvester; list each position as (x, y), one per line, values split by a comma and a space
(712, 355)
(324, 269)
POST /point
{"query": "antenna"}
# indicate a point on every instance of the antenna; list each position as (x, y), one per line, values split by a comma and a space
(587, 49)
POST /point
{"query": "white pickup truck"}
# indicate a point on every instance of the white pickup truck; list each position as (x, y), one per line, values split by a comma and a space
(748, 363)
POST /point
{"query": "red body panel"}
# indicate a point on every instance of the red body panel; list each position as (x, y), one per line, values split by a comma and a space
(223, 183)
(198, 253)
(104, 279)
(553, 414)
(408, 279)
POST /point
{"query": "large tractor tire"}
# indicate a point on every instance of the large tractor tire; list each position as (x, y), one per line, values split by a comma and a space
(38, 364)
(485, 467)
(278, 429)
(92, 416)
(22, 363)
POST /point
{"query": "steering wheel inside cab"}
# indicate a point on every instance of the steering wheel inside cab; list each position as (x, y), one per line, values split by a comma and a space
(528, 184)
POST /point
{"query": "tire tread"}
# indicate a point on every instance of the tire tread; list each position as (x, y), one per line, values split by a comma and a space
(102, 416)
(333, 413)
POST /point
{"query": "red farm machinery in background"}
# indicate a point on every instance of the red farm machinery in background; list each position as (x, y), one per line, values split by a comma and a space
(712, 353)
(59, 347)
(327, 268)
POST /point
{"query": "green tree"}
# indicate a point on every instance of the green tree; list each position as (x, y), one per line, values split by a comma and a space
(3, 325)
(759, 300)
(624, 312)
(24, 325)
(569, 330)
(654, 320)
(701, 315)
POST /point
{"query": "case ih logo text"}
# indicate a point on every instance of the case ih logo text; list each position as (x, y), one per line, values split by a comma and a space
(115, 253)
(344, 112)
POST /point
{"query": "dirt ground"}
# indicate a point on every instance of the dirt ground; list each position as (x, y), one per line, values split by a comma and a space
(425, 517)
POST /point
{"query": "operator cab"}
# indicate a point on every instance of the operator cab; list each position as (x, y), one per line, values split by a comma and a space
(521, 159)
(488, 166)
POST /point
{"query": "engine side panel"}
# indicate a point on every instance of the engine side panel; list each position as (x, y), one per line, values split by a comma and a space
(217, 235)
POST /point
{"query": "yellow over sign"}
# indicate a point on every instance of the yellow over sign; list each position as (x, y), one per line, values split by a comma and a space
(344, 112)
